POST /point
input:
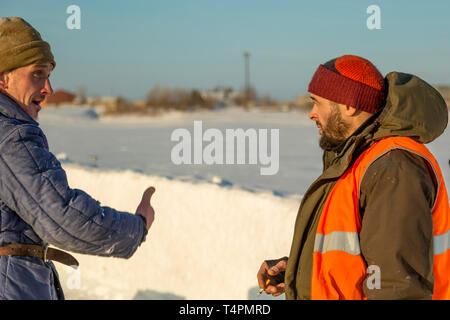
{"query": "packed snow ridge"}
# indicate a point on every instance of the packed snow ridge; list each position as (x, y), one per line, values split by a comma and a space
(207, 242)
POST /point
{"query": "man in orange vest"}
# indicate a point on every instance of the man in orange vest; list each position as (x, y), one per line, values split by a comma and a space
(375, 224)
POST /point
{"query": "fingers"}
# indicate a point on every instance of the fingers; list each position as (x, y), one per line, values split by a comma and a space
(275, 290)
(275, 286)
(276, 269)
(145, 208)
(148, 194)
(262, 275)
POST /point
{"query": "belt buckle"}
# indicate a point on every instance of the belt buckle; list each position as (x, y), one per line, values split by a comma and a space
(44, 252)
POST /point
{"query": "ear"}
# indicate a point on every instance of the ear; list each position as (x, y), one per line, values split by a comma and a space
(350, 111)
(3, 81)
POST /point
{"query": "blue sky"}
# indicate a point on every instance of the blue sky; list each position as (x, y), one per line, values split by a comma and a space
(127, 47)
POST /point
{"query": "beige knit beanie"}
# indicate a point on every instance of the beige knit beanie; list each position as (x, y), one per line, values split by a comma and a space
(21, 45)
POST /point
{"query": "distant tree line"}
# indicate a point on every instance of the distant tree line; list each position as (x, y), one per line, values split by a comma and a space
(163, 99)
(178, 99)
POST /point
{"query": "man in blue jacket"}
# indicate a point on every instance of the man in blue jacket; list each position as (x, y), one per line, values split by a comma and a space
(37, 206)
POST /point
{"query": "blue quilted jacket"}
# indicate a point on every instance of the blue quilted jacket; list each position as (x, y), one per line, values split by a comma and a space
(37, 206)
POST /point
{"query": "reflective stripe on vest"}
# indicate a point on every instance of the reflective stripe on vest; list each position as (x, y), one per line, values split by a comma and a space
(441, 243)
(349, 242)
(339, 269)
(337, 241)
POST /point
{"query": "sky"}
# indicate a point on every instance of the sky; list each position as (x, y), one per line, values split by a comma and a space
(127, 47)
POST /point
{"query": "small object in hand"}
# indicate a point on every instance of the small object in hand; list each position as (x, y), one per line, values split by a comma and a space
(261, 290)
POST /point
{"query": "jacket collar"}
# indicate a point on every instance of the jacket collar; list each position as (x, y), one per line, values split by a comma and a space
(10, 109)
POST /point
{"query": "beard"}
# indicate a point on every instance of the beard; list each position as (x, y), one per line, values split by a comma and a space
(334, 133)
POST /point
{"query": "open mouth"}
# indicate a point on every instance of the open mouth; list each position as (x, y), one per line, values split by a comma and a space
(319, 127)
(37, 103)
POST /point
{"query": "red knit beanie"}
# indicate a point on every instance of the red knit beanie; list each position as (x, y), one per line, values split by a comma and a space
(350, 80)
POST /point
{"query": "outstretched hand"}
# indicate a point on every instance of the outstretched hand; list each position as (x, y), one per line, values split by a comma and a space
(145, 209)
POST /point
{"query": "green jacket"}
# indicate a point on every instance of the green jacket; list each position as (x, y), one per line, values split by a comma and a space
(413, 109)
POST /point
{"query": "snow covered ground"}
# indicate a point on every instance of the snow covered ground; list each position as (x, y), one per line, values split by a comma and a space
(144, 145)
(214, 224)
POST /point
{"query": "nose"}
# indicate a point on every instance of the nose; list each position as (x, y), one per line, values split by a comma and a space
(47, 90)
(312, 114)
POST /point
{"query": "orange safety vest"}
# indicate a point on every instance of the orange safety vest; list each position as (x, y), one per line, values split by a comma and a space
(339, 269)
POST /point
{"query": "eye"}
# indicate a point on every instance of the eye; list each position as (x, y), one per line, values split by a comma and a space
(40, 74)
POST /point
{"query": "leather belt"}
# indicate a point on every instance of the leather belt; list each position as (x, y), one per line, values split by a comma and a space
(43, 252)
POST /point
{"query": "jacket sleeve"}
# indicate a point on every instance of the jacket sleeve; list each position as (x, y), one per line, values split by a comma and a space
(396, 198)
(34, 185)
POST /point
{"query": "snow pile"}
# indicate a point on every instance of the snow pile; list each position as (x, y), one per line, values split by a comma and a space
(207, 242)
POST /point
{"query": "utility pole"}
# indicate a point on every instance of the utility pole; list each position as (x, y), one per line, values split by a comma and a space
(247, 78)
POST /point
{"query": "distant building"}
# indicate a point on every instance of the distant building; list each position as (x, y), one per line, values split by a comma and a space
(60, 97)
(107, 102)
(221, 96)
(445, 92)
